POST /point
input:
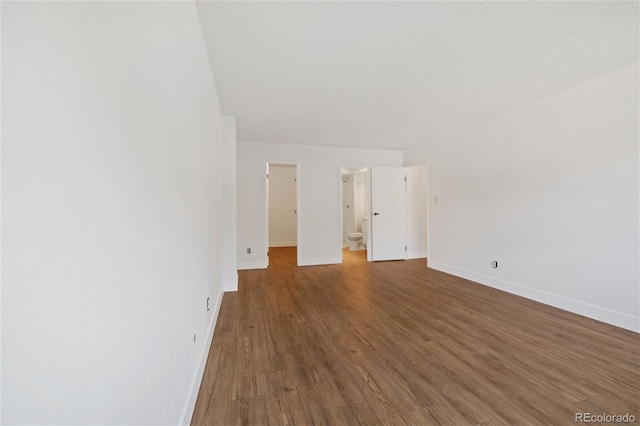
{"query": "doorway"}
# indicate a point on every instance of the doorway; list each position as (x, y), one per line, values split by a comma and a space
(282, 214)
(373, 212)
(355, 202)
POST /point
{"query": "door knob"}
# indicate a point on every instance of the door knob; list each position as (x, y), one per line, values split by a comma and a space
(376, 214)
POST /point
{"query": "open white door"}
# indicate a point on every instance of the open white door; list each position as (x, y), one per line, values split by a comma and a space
(388, 239)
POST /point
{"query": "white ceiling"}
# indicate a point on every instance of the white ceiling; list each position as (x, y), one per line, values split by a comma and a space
(393, 74)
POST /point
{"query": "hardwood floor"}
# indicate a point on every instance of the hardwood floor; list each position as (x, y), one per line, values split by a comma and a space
(397, 343)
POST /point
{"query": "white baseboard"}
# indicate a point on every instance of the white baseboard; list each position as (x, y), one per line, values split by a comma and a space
(310, 261)
(417, 255)
(190, 405)
(598, 313)
(231, 285)
(284, 244)
(258, 264)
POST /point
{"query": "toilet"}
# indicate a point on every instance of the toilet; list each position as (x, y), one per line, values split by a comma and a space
(355, 238)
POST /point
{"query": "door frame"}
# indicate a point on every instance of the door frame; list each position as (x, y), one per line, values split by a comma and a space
(426, 163)
(266, 205)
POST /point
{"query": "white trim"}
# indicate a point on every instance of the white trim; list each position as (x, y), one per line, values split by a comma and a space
(368, 244)
(298, 212)
(320, 260)
(266, 218)
(414, 163)
(231, 285)
(284, 244)
(428, 205)
(406, 212)
(256, 264)
(417, 255)
(598, 313)
(341, 207)
(420, 254)
(190, 405)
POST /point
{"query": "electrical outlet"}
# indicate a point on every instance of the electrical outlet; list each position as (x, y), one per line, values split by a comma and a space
(248, 250)
(208, 301)
(494, 264)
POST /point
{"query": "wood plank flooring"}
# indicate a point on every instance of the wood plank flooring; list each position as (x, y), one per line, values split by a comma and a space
(397, 343)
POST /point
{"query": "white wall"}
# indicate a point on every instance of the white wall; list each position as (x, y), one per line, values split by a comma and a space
(319, 239)
(282, 206)
(111, 213)
(550, 191)
(417, 211)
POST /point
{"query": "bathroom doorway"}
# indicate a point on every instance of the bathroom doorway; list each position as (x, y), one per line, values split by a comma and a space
(282, 214)
(355, 207)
